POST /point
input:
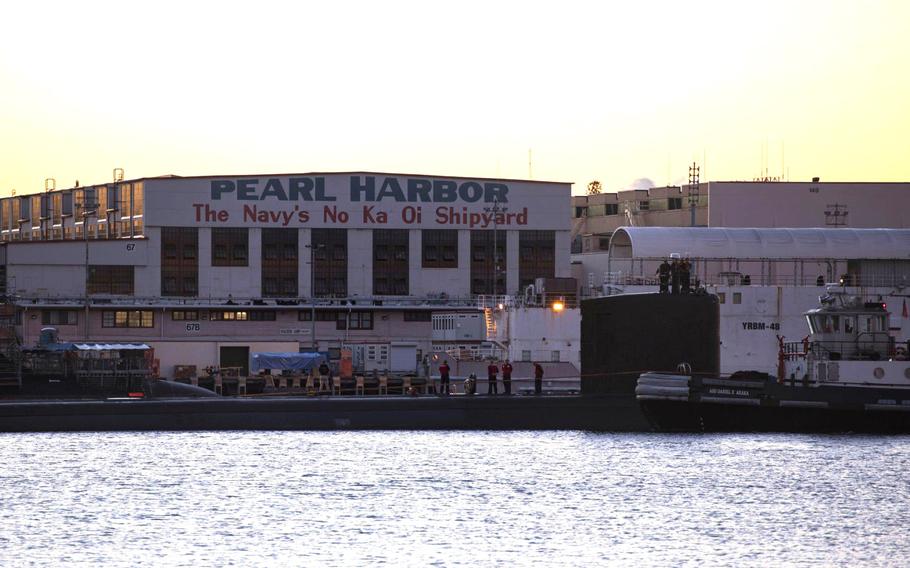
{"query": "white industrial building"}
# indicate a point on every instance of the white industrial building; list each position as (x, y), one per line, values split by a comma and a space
(209, 269)
(739, 204)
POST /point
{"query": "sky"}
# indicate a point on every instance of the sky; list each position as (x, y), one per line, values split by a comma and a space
(558, 91)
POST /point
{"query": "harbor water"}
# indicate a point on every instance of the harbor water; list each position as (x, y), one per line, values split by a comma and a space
(452, 499)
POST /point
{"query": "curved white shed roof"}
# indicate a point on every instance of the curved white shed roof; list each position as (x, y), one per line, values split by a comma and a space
(721, 242)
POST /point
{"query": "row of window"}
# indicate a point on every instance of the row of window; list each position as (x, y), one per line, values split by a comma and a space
(109, 318)
(145, 318)
(230, 247)
(116, 211)
(603, 209)
(329, 251)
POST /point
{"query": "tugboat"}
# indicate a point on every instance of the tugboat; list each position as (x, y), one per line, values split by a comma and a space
(848, 375)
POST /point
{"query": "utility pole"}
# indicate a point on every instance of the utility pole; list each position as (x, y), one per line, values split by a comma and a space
(87, 209)
(313, 248)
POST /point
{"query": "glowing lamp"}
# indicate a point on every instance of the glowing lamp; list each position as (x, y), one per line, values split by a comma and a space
(558, 306)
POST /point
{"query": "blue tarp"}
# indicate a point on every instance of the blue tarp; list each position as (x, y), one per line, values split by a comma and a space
(299, 362)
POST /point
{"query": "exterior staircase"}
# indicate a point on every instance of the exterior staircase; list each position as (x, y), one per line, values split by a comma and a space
(490, 323)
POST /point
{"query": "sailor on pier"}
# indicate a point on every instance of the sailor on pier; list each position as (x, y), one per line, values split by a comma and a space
(663, 275)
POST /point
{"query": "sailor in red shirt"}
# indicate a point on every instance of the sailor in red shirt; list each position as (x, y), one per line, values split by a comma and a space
(492, 371)
(507, 377)
(444, 378)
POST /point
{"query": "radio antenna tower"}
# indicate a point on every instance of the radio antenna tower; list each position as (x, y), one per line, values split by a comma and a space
(693, 191)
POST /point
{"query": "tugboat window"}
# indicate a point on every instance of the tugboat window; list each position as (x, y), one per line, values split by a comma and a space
(848, 325)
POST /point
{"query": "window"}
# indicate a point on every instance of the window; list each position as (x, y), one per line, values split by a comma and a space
(536, 256)
(262, 315)
(56, 205)
(554, 356)
(674, 203)
(230, 247)
(131, 318)
(185, 315)
(722, 297)
(440, 248)
(390, 262)
(240, 315)
(321, 315)
(66, 204)
(59, 317)
(484, 272)
(644, 205)
(279, 263)
(354, 320)
(330, 251)
(179, 261)
(113, 198)
(576, 245)
(138, 200)
(526, 355)
(24, 209)
(737, 297)
(107, 279)
(611, 209)
(418, 316)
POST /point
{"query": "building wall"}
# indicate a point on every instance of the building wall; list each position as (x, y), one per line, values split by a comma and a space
(543, 332)
(196, 342)
(804, 204)
(203, 354)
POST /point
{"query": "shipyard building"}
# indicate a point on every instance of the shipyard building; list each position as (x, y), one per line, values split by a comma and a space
(207, 270)
(858, 205)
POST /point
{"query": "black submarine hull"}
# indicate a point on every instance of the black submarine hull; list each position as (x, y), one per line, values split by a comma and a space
(563, 412)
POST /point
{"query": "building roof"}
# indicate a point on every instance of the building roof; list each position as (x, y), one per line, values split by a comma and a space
(720, 242)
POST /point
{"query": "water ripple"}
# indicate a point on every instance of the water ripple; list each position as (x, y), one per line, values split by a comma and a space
(451, 499)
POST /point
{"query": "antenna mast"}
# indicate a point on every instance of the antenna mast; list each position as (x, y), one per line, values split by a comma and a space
(693, 191)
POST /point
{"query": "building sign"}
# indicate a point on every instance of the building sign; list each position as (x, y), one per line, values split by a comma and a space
(294, 331)
(357, 201)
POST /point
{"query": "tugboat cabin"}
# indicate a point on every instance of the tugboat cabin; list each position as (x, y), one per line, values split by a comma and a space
(845, 327)
(849, 344)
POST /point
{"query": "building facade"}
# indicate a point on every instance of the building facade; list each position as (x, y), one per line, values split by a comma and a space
(209, 269)
(739, 204)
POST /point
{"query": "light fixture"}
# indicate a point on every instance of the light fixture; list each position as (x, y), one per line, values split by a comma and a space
(558, 306)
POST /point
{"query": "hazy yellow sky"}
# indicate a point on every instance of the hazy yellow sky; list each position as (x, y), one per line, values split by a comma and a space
(604, 90)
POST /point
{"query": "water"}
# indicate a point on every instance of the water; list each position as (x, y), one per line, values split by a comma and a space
(451, 499)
